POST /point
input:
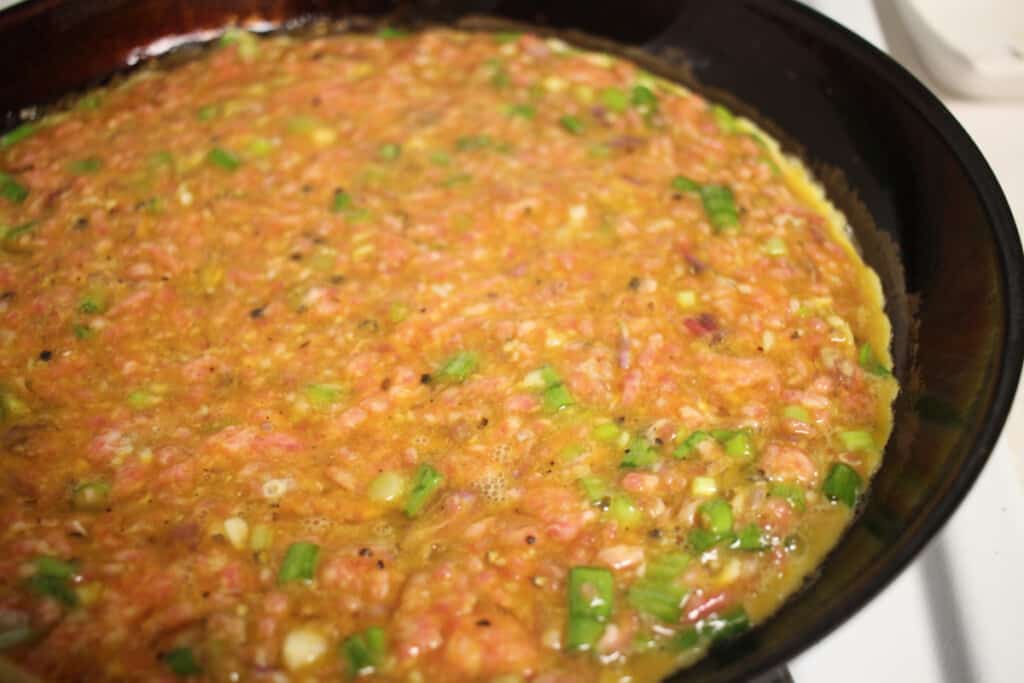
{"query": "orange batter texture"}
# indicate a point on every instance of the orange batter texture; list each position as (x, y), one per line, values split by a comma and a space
(415, 357)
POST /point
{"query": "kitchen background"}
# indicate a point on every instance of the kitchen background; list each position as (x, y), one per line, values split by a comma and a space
(955, 615)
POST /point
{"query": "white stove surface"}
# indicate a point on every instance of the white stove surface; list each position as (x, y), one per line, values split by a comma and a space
(955, 615)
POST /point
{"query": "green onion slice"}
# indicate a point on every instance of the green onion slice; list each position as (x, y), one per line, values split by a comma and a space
(299, 562)
(842, 484)
(425, 485)
(182, 662)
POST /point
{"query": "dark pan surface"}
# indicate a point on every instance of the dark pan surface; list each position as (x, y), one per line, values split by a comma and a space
(925, 208)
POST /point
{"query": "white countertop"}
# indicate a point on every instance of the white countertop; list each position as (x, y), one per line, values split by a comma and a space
(955, 615)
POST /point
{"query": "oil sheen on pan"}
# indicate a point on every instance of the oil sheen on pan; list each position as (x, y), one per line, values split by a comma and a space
(439, 356)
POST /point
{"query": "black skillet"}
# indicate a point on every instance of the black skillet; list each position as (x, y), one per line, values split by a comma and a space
(924, 206)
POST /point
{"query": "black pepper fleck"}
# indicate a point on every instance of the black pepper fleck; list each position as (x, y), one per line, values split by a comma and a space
(425, 378)
(45, 355)
(634, 283)
(530, 540)
(365, 552)
(483, 622)
(256, 313)
(380, 564)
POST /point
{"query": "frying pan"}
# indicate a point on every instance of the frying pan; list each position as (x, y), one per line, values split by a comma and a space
(925, 209)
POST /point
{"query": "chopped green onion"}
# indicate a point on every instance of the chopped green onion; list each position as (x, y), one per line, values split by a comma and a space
(624, 511)
(51, 566)
(341, 201)
(614, 99)
(656, 593)
(248, 47)
(140, 399)
(740, 447)
(684, 640)
(9, 236)
(425, 484)
(11, 189)
(582, 633)
(13, 137)
(207, 112)
(751, 537)
(572, 124)
(683, 184)
(389, 151)
(870, 362)
(720, 207)
(796, 413)
(90, 102)
(857, 440)
(666, 568)
(716, 516)
(842, 484)
(218, 156)
(644, 99)
(390, 32)
(364, 652)
(557, 397)
(299, 562)
(302, 124)
(52, 578)
(260, 147)
(92, 303)
(524, 111)
(457, 179)
(774, 246)
(572, 452)
(548, 376)
(499, 76)
(639, 453)
(503, 37)
(704, 486)
(323, 395)
(701, 540)
(591, 592)
(91, 495)
(688, 445)
(686, 298)
(661, 600)
(606, 431)
(724, 118)
(160, 160)
(440, 157)
(323, 259)
(594, 488)
(398, 312)
(83, 332)
(725, 626)
(261, 537)
(386, 487)
(469, 143)
(10, 404)
(591, 597)
(16, 636)
(181, 662)
(792, 493)
(458, 368)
